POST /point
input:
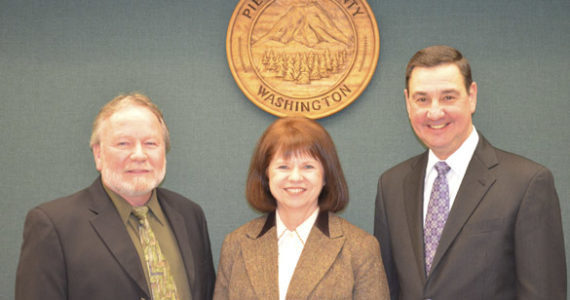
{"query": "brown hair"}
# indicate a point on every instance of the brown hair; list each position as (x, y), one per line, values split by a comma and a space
(292, 136)
(120, 102)
(440, 55)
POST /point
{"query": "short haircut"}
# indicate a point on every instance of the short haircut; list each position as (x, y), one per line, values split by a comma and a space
(120, 102)
(296, 136)
(440, 55)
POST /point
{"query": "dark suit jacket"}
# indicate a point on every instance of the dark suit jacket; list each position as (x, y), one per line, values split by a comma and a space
(502, 240)
(77, 247)
(339, 261)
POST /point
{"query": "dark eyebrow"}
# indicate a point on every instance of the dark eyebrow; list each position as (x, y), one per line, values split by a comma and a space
(450, 91)
(419, 94)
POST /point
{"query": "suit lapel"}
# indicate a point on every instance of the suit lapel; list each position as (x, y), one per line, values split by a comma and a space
(260, 258)
(413, 201)
(113, 234)
(476, 182)
(318, 255)
(181, 234)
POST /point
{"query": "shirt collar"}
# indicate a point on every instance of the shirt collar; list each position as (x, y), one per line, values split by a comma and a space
(304, 229)
(459, 160)
(322, 223)
(125, 209)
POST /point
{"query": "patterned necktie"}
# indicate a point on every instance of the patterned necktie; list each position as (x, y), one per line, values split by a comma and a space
(161, 280)
(438, 209)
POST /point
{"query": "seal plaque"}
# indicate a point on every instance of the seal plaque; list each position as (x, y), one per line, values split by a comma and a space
(302, 57)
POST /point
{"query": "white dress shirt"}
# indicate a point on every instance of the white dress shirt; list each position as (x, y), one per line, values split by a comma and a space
(458, 162)
(291, 244)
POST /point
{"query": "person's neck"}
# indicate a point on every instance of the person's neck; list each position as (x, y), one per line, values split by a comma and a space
(137, 201)
(445, 155)
(292, 218)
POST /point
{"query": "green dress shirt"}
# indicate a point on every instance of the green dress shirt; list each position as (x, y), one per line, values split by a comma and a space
(164, 234)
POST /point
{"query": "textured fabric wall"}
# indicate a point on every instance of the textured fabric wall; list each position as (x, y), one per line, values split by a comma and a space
(60, 61)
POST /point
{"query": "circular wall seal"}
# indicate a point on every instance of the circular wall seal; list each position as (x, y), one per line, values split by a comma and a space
(302, 57)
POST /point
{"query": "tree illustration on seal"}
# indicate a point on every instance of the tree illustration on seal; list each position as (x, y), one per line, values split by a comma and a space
(302, 45)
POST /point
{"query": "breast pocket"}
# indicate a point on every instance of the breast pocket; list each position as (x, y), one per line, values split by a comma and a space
(485, 226)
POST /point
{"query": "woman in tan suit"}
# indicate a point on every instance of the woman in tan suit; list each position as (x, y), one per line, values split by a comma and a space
(300, 249)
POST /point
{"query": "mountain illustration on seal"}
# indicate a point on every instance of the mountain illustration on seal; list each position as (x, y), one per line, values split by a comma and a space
(309, 25)
(303, 45)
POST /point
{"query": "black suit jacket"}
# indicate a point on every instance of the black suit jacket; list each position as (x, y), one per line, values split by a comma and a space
(502, 240)
(77, 247)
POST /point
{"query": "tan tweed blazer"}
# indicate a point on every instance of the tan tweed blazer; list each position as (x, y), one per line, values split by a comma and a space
(339, 261)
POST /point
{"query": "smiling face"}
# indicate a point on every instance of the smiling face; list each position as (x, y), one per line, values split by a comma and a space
(296, 182)
(131, 154)
(440, 108)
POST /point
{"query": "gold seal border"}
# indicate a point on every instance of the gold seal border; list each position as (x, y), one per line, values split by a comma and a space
(255, 5)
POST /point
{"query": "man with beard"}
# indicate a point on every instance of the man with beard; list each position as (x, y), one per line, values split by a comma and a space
(122, 237)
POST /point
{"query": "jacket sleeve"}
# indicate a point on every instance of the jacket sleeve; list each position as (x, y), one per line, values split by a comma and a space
(539, 242)
(41, 269)
(382, 233)
(370, 280)
(221, 291)
(210, 276)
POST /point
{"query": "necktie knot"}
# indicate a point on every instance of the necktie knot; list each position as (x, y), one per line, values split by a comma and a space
(141, 213)
(442, 168)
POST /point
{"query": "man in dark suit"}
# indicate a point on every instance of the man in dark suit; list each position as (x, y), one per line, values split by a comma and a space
(465, 220)
(95, 245)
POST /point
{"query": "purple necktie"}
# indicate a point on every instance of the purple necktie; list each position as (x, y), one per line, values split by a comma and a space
(438, 209)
